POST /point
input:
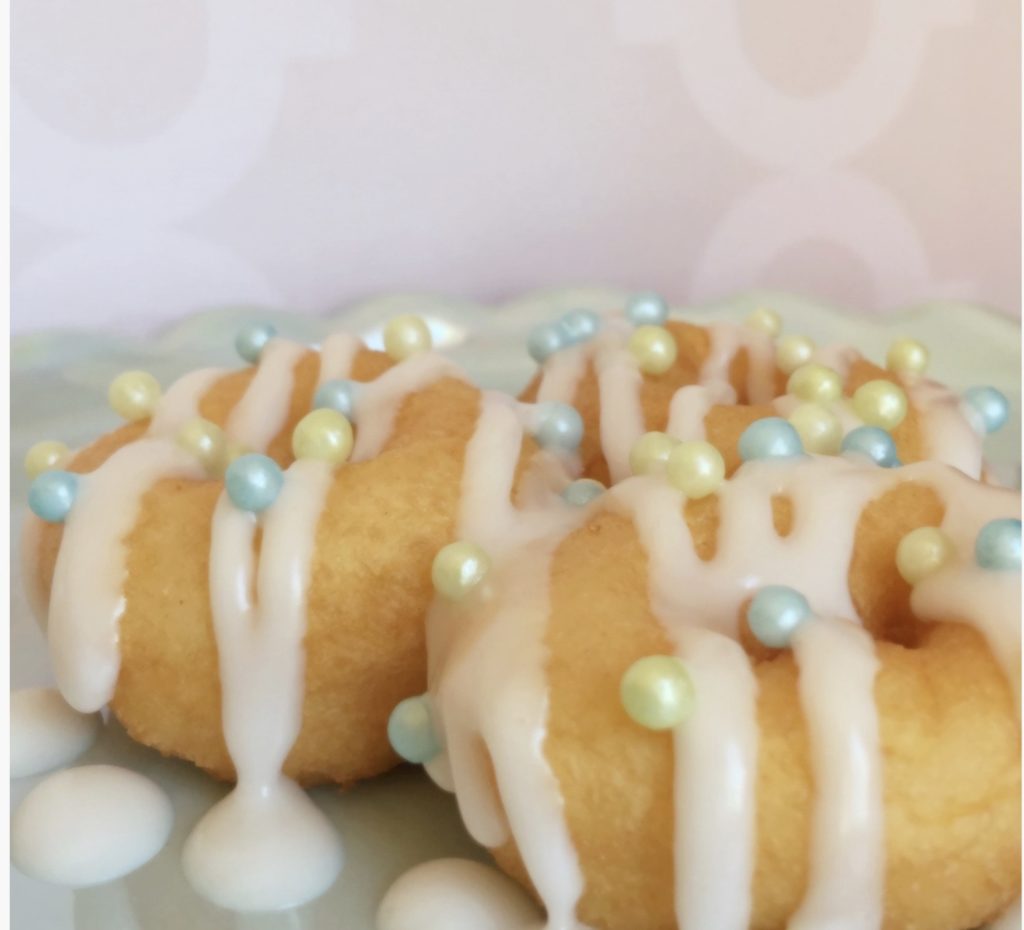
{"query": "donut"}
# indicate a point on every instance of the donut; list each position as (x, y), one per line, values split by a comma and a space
(632, 373)
(788, 699)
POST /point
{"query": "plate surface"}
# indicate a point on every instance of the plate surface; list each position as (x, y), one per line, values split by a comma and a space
(58, 390)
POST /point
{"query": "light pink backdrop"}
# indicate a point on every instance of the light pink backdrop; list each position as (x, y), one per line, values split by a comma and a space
(173, 156)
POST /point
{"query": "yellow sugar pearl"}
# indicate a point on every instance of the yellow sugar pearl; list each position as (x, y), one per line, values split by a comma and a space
(815, 382)
(793, 351)
(45, 455)
(458, 568)
(657, 692)
(207, 442)
(696, 468)
(820, 429)
(406, 335)
(323, 434)
(653, 348)
(907, 356)
(766, 321)
(880, 403)
(922, 552)
(650, 453)
(134, 395)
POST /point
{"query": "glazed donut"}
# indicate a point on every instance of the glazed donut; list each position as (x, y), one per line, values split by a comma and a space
(736, 711)
(696, 381)
(215, 625)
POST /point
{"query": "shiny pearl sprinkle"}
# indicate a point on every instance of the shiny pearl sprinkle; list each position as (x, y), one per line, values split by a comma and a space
(207, 442)
(988, 408)
(819, 428)
(922, 552)
(558, 426)
(252, 340)
(134, 395)
(654, 349)
(873, 442)
(405, 336)
(45, 455)
(880, 403)
(52, 495)
(647, 309)
(458, 568)
(998, 546)
(775, 614)
(323, 434)
(341, 395)
(657, 692)
(907, 356)
(765, 321)
(582, 492)
(813, 382)
(579, 325)
(793, 351)
(696, 468)
(253, 482)
(411, 730)
(770, 438)
(544, 341)
(650, 453)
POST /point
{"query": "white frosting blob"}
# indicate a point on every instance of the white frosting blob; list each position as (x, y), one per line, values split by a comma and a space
(263, 850)
(456, 894)
(89, 825)
(46, 732)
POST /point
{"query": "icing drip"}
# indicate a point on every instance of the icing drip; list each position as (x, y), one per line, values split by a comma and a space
(263, 410)
(622, 415)
(562, 373)
(266, 846)
(181, 402)
(691, 405)
(45, 732)
(845, 888)
(948, 432)
(839, 358)
(87, 596)
(379, 401)
(336, 357)
(727, 340)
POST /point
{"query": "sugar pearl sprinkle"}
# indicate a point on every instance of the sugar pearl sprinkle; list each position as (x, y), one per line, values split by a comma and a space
(323, 434)
(578, 326)
(819, 428)
(44, 456)
(52, 495)
(654, 349)
(988, 408)
(650, 453)
(793, 351)
(880, 403)
(459, 568)
(814, 382)
(411, 730)
(907, 357)
(657, 692)
(253, 482)
(770, 438)
(922, 552)
(207, 442)
(647, 309)
(775, 614)
(252, 340)
(871, 442)
(544, 341)
(558, 426)
(133, 395)
(696, 468)
(998, 546)
(582, 491)
(765, 320)
(341, 395)
(405, 336)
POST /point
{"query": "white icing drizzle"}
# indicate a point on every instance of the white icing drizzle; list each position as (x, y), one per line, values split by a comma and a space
(563, 371)
(181, 402)
(46, 732)
(337, 355)
(691, 405)
(266, 846)
(948, 433)
(845, 889)
(619, 382)
(727, 340)
(263, 410)
(840, 358)
(87, 596)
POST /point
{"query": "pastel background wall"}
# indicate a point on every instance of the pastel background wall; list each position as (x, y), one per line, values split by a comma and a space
(301, 153)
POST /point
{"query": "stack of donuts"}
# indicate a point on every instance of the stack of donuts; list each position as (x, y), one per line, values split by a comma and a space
(710, 628)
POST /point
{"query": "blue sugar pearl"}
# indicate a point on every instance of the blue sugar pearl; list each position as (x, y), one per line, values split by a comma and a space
(770, 438)
(253, 482)
(579, 326)
(775, 614)
(989, 406)
(873, 442)
(411, 730)
(338, 395)
(544, 341)
(647, 309)
(52, 495)
(998, 545)
(582, 492)
(252, 339)
(559, 426)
